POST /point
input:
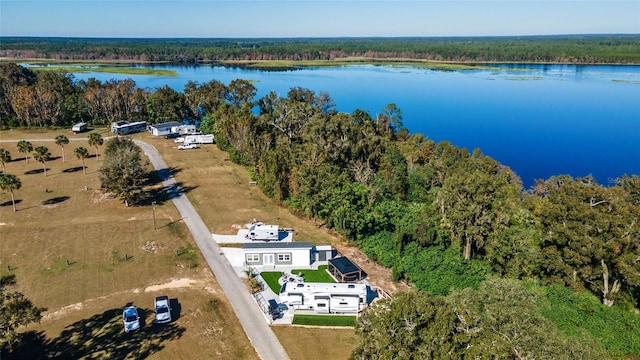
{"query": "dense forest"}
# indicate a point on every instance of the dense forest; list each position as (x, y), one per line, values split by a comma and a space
(586, 49)
(456, 224)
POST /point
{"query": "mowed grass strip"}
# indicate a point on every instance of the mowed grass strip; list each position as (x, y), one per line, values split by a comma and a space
(324, 320)
(84, 256)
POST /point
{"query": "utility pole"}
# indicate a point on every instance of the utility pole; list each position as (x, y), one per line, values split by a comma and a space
(153, 204)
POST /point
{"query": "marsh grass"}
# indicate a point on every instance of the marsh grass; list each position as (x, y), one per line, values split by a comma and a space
(126, 70)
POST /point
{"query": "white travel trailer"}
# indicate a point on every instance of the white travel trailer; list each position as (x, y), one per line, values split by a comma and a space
(198, 139)
(260, 231)
(184, 129)
(325, 298)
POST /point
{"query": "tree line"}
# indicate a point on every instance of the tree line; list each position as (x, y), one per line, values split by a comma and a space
(585, 49)
(441, 217)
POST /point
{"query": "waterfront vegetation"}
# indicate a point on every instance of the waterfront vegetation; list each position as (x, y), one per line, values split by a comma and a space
(536, 49)
(83, 68)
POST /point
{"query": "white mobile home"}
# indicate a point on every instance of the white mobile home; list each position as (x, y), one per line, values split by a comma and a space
(199, 139)
(271, 255)
(325, 298)
(184, 129)
(163, 129)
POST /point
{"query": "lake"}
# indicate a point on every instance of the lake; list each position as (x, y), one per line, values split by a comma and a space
(540, 120)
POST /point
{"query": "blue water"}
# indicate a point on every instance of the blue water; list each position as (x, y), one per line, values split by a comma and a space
(540, 120)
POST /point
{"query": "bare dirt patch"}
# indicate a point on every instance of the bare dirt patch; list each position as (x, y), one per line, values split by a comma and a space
(173, 284)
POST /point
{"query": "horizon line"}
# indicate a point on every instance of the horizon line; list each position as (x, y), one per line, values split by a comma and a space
(322, 37)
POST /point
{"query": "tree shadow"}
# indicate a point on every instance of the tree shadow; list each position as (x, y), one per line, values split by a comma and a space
(158, 176)
(161, 196)
(73, 169)
(9, 203)
(100, 336)
(55, 200)
(35, 171)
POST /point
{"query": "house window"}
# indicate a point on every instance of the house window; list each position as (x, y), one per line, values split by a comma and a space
(253, 257)
(284, 257)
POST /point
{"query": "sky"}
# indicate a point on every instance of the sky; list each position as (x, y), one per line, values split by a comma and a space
(295, 18)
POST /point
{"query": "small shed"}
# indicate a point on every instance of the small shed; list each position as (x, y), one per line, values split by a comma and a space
(162, 129)
(344, 270)
(322, 253)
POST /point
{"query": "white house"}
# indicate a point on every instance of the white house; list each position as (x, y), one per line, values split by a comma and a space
(273, 254)
(325, 298)
(163, 129)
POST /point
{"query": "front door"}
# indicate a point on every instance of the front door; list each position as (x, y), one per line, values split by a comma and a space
(268, 259)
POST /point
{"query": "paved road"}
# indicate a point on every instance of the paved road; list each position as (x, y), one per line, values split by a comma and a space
(251, 317)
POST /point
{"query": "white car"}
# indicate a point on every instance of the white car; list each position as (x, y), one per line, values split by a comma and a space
(187, 146)
(163, 310)
(130, 318)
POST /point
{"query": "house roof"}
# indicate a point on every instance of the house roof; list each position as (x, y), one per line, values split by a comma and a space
(278, 245)
(166, 125)
(344, 265)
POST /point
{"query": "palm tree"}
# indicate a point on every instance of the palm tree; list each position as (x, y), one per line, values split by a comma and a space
(10, 182)
(25, 146)
(42, 154)
(82, 153)
(5, 157)
(62, 140)
(96, 140)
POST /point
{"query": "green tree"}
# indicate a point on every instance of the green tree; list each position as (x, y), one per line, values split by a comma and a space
(25, 147)
(390, 120)
(15, 311)
(62, 140)
(166, 104)
(500, 320)
(123, 171)
(5, 157)
(10, 183)
(411, 325)
(590, 237)
(41, 154)
(240, 93)
(82, 153)
(96, 140)
(475, 201)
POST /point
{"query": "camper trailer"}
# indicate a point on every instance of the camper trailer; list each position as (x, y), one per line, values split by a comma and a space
(260, 231)
(325, 298)
(184, 129)
(79, 127)
(198, 139)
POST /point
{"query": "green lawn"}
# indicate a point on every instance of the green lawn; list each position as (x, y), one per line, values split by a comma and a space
(271, 278)
(320, 275)
(324, 320)
(313, 276)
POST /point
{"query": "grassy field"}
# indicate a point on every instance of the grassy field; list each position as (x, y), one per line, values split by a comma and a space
(64, 216)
